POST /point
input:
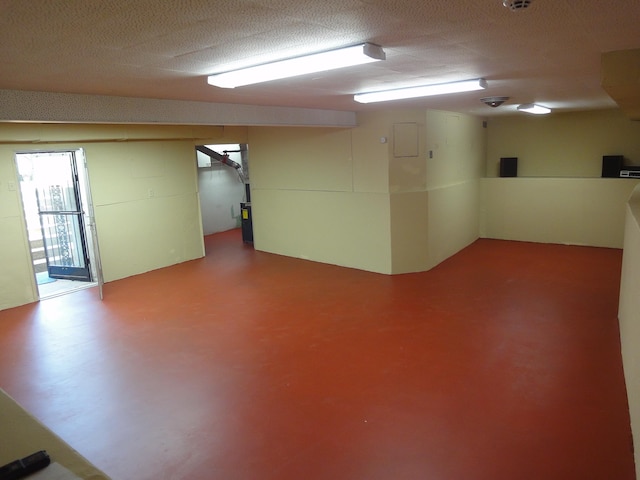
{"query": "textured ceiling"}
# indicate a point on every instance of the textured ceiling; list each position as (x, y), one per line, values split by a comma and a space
(549, 53)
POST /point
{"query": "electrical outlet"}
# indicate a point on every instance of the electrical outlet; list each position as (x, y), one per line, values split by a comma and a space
(151, 193)
(11, 186)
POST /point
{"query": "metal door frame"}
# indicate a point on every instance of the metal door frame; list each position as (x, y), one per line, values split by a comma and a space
(87, 218)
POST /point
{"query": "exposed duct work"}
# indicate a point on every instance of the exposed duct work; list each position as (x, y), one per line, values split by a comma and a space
(220, 157)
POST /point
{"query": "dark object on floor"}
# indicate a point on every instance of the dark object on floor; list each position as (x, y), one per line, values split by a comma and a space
(25, 466)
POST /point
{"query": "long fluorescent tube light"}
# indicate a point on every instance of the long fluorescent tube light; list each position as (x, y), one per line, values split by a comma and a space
(533, 108)
(422, 91)
(292, 67)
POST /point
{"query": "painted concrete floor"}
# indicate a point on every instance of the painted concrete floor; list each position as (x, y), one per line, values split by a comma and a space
(501, 363)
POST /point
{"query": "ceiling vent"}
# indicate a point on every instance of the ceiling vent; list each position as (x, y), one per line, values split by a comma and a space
(516, 5)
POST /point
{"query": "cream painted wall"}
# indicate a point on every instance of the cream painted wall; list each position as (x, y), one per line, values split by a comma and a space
(407, 151)
(407, 183)
(17, 282)
(629, 315)
(146, 205)
(453, 219)
(562, 144)
(457, 144)
(300, 158)
(437, 213)
(144, 191)
(559, 197)
(435, 161)
(369, 197)
(409, 216)
(305, 203)
(371, 156)
(340, 228)
(575, 211)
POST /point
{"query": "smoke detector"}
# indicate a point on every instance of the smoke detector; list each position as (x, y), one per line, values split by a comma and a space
(516, 5)
(494, 101)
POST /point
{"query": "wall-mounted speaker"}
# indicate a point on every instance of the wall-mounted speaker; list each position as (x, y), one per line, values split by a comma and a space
(509, 167)
(611, 165)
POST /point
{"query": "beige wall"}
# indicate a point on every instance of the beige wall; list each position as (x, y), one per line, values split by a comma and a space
(629, 315)
(435, 195)
(454, 168)
(562, 144)
(313, 199)
(340, 228)
(146, 205)
(574, 211)
(399, 193)
(361, 198)
(369, 197)
(17, 283)
(407, 187)
(409, 216)
(559, 196)
(144, 188)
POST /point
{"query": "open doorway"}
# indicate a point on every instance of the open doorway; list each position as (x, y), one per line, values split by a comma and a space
(223, 186)
(55, 198)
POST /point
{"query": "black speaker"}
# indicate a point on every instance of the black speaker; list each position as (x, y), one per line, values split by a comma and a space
(611, 165)
(509, 167)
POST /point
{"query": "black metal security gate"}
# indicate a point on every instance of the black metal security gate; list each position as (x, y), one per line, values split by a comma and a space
(61, 220)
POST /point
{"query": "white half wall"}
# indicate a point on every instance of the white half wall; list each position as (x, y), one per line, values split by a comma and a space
(629, 315)
(573, 211)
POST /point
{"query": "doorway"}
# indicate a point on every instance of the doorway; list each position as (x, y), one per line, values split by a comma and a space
(56, 202)
(223, 185)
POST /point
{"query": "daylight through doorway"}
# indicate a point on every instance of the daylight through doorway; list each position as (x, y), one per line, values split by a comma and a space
(54, 191)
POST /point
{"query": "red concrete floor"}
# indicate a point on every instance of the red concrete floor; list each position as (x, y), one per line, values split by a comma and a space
(501, 363)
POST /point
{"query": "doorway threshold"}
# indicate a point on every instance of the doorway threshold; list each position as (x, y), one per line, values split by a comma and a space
(62, 287)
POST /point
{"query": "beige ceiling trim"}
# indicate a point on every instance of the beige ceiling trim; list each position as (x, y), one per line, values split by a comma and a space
(621, 80)
(42, 107)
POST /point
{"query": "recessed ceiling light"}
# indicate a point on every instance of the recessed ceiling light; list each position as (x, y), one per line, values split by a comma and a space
(292, 67)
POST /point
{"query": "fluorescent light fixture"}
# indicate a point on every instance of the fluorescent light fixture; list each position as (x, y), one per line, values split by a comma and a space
(292, 67)
(422, 91)
(533, 108)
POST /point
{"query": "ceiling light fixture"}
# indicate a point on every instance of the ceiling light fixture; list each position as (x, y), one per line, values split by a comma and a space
(292, 67)
(533, 108)
(421, 91)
